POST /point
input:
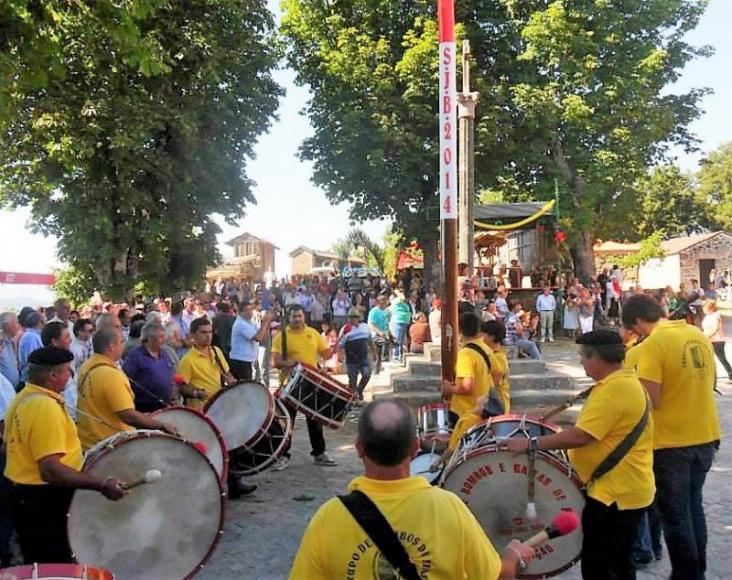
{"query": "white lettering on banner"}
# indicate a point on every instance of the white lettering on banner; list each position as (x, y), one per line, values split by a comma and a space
(448, 123)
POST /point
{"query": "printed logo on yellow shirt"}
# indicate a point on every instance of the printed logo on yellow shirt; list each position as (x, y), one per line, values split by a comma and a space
(382, 570)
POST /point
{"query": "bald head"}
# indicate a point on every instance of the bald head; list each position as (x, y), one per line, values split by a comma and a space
(386, 430)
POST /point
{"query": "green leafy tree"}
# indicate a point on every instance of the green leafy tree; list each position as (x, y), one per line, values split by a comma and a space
(126, 158)
(649, 248)
(669, 201)
(714, 180)
(573, 90)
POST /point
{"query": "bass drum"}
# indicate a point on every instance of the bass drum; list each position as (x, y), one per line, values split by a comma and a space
(56, 572)
(196, 428)
(159, 530)
(269, 448)
(493, 484)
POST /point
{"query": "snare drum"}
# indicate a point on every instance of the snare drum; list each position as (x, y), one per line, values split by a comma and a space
(318, 395)
(195, 427)
(243, 413)
(159, 530)
(493, 484)
(433, 422)
(420, 467)
(269, 448)
(56, 572)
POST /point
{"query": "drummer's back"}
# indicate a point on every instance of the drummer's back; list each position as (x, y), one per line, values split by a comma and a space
(441, 536)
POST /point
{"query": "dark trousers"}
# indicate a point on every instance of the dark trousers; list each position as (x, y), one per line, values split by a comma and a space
(353, 370)
(39, 515)
(242, 370)
(315, 432)
(6, 520)
(607, 541)
(680, 473)
(719, 351)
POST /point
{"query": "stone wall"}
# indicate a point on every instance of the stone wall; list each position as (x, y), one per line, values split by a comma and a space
(718, 248)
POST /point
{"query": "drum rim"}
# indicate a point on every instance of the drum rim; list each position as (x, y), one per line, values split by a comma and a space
(438, 473)
(268, 463)
(334, 382)
(571, 474)
(210, 423)
(104, 573)
(433, 406)
(222, 494)
(254, 439)
(519, 416)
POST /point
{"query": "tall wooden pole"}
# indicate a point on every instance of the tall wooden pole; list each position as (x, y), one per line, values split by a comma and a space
(448, 185)
(466, 160)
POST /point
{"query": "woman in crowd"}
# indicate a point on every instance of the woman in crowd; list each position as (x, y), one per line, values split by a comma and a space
(419, 333)
(714, 331)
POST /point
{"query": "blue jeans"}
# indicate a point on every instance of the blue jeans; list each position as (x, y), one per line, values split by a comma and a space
(399, 332)
(529, 347)
(680, 473)
(353, 370)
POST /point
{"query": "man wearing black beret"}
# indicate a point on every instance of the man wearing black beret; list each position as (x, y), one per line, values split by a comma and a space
(44, 459)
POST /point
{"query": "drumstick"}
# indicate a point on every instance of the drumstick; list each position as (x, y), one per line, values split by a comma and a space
(567, 404)
(151, 476)
(531, 513)
(563, 523)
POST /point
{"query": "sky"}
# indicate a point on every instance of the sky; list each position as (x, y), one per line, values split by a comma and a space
(291, 211)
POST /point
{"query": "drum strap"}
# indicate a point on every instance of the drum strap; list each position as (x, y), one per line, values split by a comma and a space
(617, 454)
(376, 526)
(494, 405)
(222, 376)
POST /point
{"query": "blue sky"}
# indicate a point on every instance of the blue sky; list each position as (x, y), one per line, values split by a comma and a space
(290, 211)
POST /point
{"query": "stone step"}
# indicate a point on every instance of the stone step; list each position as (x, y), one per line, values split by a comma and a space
(531, 381)
(516, 366)
(412, 399)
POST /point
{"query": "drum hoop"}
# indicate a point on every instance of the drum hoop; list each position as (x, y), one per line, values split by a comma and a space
(30, 571)
(287, 436)
(309, 370)
(522, 417)
(433, 407)
(261, 430)
(564, 467)
(222, 495)
(210, 423)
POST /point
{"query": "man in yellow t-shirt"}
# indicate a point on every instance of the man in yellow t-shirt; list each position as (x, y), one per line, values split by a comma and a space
(106, 402)
(302, 344)
(676, 365)
(44, 459)
(616, 499)
(442, 538)
(204, 366)
(494, 334)
(473, 376)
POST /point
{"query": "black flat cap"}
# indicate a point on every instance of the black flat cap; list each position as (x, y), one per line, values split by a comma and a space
(50, 356)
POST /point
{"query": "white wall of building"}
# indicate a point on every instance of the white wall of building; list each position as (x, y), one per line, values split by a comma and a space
(660, 272)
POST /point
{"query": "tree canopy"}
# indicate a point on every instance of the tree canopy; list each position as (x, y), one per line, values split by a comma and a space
(139, 133)
(574, 90)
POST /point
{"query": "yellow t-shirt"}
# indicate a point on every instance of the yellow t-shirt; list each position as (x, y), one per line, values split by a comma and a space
(614, 407)
(37, 425)
(302, 345)
(104, 391)
(500, 360)
(471, 365)
(201, 370)
(464, 423)
(442, 538)
(680, 358)
(632, 354)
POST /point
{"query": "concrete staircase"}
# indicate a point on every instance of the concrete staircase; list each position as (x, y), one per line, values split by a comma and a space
(535, 386)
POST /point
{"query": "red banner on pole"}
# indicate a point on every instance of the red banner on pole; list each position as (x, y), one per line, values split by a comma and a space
(25, 278)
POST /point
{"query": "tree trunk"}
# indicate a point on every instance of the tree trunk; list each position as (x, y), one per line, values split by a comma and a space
(583, 256)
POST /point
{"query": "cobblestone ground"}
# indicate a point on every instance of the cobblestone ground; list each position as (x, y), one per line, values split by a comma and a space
(263, 530)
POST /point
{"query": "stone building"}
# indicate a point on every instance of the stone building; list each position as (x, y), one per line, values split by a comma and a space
(254, 257)
(307, 261)
(687, 258)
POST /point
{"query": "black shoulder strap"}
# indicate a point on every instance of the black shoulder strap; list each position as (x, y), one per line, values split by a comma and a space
(381, 533)
(617, 454)
(481, 352)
